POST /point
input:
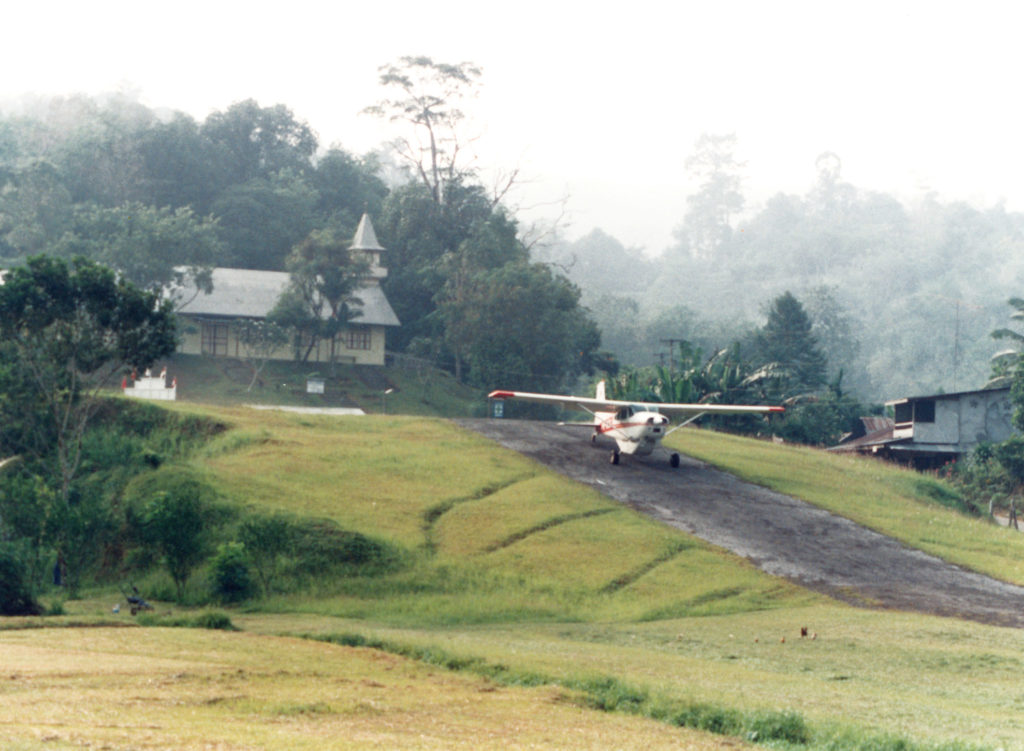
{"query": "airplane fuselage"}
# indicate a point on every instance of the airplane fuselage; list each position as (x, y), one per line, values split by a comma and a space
(636, 429)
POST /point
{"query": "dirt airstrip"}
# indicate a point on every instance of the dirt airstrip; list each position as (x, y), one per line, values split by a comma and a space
(779, 534)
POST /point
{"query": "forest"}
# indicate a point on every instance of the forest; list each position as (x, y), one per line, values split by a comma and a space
(895, 299)
(903, 298)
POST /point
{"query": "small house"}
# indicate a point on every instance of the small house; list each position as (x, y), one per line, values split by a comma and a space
(929, 431)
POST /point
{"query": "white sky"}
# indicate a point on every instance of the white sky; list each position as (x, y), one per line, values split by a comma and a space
(597, 102)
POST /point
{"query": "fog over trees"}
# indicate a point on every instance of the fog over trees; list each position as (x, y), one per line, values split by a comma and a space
(903, 296)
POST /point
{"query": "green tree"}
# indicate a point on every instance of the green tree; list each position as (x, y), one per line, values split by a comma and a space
(73, 328)
(251, 141)
(229, 573)
(267, 538)
(262, 219)
(346, 188)
(16, 596)
(1008, 365)
(175, 523)
(35, 207)
(179, 166)
(156, 249)
(260, 340)
(320, 299)
(523, 327)
(787, 342)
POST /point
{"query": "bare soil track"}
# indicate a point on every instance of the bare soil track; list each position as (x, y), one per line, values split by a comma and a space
(779, 534)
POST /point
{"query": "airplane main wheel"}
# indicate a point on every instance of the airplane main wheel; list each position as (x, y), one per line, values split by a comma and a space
(614, 457)
(674, 460)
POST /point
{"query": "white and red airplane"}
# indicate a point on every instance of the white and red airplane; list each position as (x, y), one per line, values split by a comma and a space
(637, 428)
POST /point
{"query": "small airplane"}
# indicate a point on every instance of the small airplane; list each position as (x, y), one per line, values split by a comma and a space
(637, 428)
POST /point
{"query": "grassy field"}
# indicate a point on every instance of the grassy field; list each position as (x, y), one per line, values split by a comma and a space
(516, 577)
(155, 688)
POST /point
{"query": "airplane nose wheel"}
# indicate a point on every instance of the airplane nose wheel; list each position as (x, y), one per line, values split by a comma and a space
(614, 459)
(674, 460)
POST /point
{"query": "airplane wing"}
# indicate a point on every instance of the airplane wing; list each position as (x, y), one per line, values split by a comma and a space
(590, 404)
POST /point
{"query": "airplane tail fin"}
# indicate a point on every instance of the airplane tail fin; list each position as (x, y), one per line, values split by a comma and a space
(600, 390)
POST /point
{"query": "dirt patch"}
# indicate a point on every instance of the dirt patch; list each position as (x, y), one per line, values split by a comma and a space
(779, 534)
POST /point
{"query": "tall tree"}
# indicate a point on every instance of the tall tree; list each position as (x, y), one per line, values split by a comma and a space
(347, 187)
(787, 341)
(1008, 364)
(719, 199)
(427, 97)
(179, 166)
(35, 207)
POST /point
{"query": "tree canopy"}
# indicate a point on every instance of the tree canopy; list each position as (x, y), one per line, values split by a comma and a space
(73, 327)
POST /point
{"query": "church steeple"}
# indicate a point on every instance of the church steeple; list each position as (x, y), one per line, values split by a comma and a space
(365, 241)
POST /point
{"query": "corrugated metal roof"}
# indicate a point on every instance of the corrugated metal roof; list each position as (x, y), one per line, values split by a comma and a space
(954, 395)
(247, 293)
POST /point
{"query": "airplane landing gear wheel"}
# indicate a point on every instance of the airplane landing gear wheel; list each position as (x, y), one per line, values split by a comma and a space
(614, 459)
(674, 460)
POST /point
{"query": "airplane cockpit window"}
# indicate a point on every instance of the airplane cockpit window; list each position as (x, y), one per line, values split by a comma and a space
(624, 413)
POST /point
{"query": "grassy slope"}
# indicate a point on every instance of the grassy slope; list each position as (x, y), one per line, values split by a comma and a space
(518, 567)
(560, 581)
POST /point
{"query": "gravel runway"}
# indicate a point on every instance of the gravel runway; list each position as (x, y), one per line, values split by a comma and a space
(779, 534)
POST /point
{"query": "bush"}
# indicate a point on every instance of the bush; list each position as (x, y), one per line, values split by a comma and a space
(15, 595)
(230, 577)
(321, 545)
(982, 479)
(172, 513)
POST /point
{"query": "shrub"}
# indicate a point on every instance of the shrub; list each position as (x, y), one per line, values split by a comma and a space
(15, 595)
(320, 545)
(230, 578)
(172, 513)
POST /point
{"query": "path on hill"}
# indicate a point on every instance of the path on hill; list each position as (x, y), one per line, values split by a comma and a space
(779, 534)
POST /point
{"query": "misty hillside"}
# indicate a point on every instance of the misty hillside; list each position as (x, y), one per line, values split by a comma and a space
(903, 297)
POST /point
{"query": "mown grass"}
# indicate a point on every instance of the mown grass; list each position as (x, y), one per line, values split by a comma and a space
(865, 680)
(172, 689)
(901, 503)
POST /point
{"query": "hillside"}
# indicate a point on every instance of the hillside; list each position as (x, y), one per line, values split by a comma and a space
(524, 577)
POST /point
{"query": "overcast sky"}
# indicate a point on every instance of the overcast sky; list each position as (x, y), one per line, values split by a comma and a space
(599, 103)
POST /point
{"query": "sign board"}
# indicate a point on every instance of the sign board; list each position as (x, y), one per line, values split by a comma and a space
(314, 385)
(498, 408)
